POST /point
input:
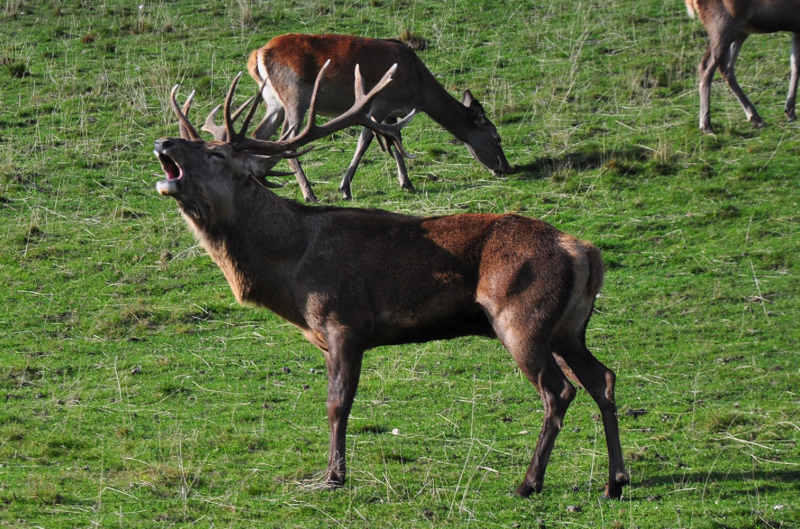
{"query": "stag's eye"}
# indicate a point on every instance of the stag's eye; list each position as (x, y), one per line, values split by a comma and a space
(216, 154)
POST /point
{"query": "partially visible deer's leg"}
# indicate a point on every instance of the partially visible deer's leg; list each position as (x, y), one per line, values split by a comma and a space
(795, 75)
(707, 68)
(727, 69)
(344, 370)
(599, 382)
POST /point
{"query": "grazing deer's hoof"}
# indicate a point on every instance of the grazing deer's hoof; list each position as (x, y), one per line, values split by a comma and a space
(791, 116)
(706, 129)
(311, 198)
(614, 488)
(346, 194)
(409, 187)
(526, 489)
(758, 122)
(332, 481)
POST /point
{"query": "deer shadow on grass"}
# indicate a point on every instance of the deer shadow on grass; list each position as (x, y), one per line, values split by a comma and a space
(626, 161)
(732, 483)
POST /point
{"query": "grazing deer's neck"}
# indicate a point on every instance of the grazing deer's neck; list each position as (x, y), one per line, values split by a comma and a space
(257, 247)
(447, 111)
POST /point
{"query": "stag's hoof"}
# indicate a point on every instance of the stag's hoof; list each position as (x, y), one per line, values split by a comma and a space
(706, 129)
(311, 198)
(758, 122)
(346, 194)
(791, 116)
(526, 489)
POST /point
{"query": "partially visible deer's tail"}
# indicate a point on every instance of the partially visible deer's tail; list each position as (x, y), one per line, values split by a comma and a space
(691, 7)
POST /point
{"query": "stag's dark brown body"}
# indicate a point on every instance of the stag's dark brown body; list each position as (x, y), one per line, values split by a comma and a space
(354, 279)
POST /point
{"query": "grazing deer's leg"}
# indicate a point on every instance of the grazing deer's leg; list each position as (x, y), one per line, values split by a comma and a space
(599, 382)
(344, 369)
(795, 75)
(292, 125)
(727, 69)
(402, 172)
(364, 141)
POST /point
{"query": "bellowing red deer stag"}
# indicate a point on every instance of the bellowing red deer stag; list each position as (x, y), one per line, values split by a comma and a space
(729, 23)
(286, 67)
(326, 271)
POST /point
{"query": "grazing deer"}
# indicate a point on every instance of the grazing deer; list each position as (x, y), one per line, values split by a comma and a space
(326, 271)
(729, 23)
(286, 67)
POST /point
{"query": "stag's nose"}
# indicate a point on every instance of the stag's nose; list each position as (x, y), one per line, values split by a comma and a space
(164, 144)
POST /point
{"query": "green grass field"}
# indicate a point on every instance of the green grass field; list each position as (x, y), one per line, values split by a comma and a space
(135, 392)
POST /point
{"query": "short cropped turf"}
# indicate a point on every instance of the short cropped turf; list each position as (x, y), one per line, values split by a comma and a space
(135, 392)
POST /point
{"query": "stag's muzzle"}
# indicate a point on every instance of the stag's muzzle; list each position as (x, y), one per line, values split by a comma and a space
(171, 185)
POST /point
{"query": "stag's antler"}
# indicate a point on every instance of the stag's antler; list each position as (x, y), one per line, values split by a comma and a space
(354, 116)
(220, 132)
(188, 132)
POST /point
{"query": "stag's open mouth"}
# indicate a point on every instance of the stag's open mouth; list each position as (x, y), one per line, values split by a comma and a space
(170, 186)
(172, 169)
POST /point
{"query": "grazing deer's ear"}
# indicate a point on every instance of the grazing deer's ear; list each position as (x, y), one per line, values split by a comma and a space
(475, 108)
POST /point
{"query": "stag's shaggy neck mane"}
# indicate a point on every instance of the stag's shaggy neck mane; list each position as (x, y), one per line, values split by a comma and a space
(256, 220)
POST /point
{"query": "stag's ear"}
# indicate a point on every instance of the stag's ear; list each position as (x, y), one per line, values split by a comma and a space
(475, 108)
(260, 167)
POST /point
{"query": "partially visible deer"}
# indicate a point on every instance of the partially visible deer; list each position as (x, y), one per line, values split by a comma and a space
(288, 64)
(729, 23)
(326, 271)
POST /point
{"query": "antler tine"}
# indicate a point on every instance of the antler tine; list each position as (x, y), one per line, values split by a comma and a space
(219, 131)
(256, 99)
(232, 137)
(188, 132)
(354, 116)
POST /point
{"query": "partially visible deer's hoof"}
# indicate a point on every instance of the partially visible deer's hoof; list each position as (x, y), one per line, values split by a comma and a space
(758, 122)
(346, 194)
(706, 129)
(791, 116)
(311, 198)
(409, 187)
(526, 489)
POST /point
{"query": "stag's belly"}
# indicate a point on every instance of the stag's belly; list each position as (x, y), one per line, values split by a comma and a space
(396, 329)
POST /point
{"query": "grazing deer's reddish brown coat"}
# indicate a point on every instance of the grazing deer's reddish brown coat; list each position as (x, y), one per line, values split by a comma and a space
(729, 23)
(288, 65)
(353, 279)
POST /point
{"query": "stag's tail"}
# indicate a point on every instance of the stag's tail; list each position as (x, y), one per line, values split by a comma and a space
(596, 269)
(691, 7)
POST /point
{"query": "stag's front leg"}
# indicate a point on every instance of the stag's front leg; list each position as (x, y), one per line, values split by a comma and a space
(344, 370)
(795, 75)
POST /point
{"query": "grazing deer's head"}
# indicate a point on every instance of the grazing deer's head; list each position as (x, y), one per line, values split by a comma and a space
(484, 142)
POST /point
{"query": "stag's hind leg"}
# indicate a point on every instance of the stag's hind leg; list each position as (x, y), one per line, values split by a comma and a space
(536, 361)
(580, 365)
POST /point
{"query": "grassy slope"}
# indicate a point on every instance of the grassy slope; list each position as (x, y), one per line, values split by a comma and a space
(138, 393)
